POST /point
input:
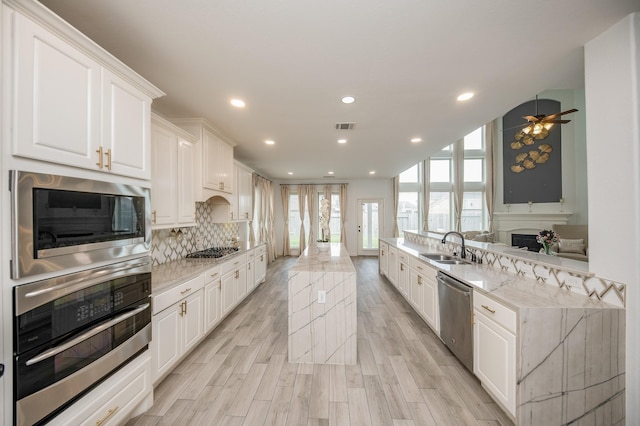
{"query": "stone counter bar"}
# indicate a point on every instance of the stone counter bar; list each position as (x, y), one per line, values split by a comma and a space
(323, 333)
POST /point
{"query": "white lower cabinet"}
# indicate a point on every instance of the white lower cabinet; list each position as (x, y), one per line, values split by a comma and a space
(127, 393)
(383, 258)
(423, 281)
(234, 282)
(403, 275)
(261, 264)
(494, 351)
(212, 290)
(394, 266)
(177, 324)
(251, 270)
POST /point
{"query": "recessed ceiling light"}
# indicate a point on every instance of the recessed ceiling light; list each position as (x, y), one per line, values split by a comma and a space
(372, 172)
(465, 96)
(330, 173)
(289, 173)
(269, 142)
(416, 140)
(342, 141)
(348, 100)
(239, 103)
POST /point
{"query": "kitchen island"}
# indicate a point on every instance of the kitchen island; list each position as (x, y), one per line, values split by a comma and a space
(322, 307)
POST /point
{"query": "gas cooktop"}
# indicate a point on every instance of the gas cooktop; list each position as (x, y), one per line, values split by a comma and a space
(213, 252)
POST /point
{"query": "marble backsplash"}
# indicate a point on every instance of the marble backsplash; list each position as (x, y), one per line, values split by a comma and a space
(167, 246)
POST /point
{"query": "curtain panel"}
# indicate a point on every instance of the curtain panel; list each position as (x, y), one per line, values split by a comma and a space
(312, 203)
(490, 190)
(284, 191)
(458, 182)
(302, 196)
(343, 213)
(395, 182)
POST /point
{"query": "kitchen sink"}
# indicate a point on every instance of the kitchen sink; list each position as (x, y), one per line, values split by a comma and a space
(444, 259)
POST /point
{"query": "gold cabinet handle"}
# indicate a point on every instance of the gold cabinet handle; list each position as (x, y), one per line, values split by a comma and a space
(248, 266)
(110, 413)
(183, 308)
(261, 258)
(221, 186)
(108, 154)
(186, 291)
(419, 280)
(237, 274)
(489, 309)
(154, 216)
(214, 274)
(100, 162)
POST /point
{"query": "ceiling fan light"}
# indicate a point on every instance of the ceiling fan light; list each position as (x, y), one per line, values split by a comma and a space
(526, 130)
(537, 128)
(548, 126)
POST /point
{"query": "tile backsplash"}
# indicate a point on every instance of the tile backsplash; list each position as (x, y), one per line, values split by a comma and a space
(167, 246)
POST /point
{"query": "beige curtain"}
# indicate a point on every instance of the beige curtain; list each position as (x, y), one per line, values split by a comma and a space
(343, 213)
(395, 182)
(302, 195)
(327, 194)
(252, 235)
(270, 232)
(426, 194)
(489, 130)
(458, 182)
(284, 191)
(312, 203)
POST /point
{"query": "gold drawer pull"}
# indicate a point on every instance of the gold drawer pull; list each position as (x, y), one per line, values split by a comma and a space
(100, 162)
(213, 275)
(185, 291)
(489, 309)
(108, 154)
(109, 414)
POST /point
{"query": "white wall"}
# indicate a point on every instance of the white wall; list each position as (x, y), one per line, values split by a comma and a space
(356, 189)
(612, 64)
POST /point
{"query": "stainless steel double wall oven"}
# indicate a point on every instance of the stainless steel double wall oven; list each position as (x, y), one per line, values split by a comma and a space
(91, 314)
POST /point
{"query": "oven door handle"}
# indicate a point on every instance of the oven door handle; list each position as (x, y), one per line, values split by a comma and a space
(84, 336)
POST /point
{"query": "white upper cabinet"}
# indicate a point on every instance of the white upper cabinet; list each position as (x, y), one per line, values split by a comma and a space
(72, 103)
(242, 207)
(214, 165)
(172, 178)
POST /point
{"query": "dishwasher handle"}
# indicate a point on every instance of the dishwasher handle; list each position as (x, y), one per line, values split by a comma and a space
(454, 284)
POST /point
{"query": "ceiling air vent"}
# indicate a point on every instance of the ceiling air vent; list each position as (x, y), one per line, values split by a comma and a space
(345, 126)
(328, 177)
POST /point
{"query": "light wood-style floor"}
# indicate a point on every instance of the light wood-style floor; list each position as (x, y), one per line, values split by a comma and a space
(239, 375)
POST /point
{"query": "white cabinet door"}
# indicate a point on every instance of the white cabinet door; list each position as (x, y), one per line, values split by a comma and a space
(430, 306)
(163, 177)
(403, 280)
(186, 193)
(251, 275)
(211, 305)
(261, 265)
(242, 207)
(393, 266)
(217, 170)
(192, 320)
(225, 166)
(167, 340)
(416, 290)
(383, 259)
(240, 284)
(126, 114)
(494, 359)
(56, 93)
(227, 292)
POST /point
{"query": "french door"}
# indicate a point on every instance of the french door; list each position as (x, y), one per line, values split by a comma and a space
(370, 225)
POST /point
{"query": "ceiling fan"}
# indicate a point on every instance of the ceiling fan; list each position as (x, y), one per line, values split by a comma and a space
(538, 125)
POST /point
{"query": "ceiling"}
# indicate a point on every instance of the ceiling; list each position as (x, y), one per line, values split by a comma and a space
(291, 61)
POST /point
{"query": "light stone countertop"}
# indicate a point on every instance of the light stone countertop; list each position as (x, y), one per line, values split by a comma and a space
(336, 259)
(515, 291)
(170, 274)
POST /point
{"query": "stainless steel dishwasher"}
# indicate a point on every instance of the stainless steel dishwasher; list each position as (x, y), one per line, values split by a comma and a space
(456, 306)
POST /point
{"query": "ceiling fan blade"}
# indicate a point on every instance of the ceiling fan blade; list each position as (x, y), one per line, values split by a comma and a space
(552, 116)
(531, 118)
(555, 121)
(515, 127)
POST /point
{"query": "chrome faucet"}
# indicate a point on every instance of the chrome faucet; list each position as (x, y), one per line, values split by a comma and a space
(463, 254)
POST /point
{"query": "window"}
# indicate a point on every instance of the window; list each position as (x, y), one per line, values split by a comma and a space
(441, 200)
(409, 199)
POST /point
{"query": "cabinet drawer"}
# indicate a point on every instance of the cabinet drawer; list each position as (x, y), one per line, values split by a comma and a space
(114, 400)
(212, 275)
(170, 297)
(404, 257)
(494, 310)
(262, 249)
(422, 267)
(233, 264)
(251, 254)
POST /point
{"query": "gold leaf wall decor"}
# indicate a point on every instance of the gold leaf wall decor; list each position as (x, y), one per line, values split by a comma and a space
(528, 160)
(517, 168)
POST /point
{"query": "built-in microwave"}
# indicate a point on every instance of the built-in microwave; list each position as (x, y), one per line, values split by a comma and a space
(61, 222)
